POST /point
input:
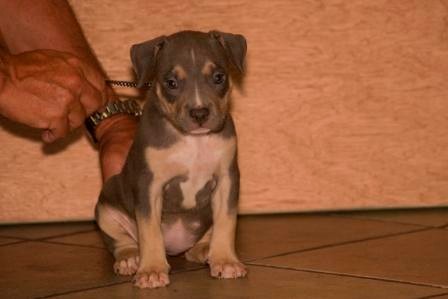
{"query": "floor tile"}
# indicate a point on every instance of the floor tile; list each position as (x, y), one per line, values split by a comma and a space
(264, 283)
(93, 239)
(417, 257)
(31, 269)
(38, 231)
(4, 241)
(445, 296)
(427, 217)
(268, 235)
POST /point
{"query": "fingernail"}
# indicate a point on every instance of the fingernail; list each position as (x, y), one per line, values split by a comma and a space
(47, 136)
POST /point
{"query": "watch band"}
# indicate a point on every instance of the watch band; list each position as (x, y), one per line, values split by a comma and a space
(130, 107)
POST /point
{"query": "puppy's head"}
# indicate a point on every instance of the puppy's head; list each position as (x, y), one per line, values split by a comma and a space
(190, 73)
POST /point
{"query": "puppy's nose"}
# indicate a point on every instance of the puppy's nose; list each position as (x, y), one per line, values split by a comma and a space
(199, 115)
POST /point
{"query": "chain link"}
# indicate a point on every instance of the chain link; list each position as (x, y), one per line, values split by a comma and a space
(129, 84)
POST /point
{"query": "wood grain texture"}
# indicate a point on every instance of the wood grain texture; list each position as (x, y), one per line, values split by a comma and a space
(344, 105)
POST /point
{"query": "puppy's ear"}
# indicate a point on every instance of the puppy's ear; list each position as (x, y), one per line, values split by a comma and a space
(235, 47)
(144, 58)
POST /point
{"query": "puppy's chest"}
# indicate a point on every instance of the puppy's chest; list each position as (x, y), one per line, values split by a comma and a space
(187, 172)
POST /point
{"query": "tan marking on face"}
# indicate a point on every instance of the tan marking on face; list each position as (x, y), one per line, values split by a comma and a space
(223, 105)
(167, 107)
(193, 56)
(180, 72)
(197, 97)
(208, 67)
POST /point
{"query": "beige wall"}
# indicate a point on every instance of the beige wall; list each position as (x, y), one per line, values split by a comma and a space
(345, 105)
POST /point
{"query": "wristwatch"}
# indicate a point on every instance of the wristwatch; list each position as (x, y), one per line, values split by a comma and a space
(130, 107)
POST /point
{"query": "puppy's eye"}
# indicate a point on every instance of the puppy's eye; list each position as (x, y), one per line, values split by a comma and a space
(219, 78)
(171, 83)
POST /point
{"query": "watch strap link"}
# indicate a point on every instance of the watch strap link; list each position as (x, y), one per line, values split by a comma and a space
(130, 107)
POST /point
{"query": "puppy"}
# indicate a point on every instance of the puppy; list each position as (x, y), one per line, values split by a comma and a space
(178, 190)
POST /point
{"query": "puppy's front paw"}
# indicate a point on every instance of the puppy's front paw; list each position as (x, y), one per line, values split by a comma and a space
(227, 269)
(126, 266)
(151, 278)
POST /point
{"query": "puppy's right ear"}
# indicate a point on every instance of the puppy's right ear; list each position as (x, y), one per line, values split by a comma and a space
(144, 58)
(235, 46)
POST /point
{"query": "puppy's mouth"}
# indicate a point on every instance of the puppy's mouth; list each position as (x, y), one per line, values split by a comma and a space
(200, 131)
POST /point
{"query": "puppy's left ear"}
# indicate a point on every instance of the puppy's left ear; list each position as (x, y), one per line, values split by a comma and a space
(144, 59)
(235, 46)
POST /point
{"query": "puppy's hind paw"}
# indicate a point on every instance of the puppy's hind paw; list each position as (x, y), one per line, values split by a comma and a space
(227, 269)
(126, 266)
(198, 253)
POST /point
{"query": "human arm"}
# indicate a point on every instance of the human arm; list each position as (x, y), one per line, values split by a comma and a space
(28, 25)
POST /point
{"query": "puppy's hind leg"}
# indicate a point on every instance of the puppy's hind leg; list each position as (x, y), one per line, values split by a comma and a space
(199, 252)
(120, 236)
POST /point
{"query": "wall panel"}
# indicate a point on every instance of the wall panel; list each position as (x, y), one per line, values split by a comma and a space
(344, 106)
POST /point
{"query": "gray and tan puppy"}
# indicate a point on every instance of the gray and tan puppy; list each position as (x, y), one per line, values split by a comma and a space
(178, 190)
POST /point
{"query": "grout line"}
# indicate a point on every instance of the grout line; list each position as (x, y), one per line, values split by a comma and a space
(17, 238)
(83, 290)
(69, 244)
(386, 221)
(14, 242)
(109, 285)
(65, 235)
(48, 237)
(379, 220)
(343, 243)
(433, 296)
(199, 267)
(353, 276)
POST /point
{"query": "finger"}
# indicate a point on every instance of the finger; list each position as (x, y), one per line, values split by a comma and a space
(58, 129)
(91, 98)
(75, 79)
(76, 115)
(91, 74)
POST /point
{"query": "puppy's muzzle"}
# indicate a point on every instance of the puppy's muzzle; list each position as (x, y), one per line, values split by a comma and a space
(199, 115)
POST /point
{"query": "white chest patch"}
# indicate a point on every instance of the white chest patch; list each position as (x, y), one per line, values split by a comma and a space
(197, 157)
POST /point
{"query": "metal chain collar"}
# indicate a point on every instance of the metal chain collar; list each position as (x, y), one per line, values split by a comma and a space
(129, 84)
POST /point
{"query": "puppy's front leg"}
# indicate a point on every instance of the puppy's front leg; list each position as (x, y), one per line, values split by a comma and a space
(223, 260)
(153, 269)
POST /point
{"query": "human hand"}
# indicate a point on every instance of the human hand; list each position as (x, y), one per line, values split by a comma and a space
(115, 136)
(50, 90)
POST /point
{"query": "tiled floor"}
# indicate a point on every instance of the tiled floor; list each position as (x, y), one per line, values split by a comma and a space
(378, 254)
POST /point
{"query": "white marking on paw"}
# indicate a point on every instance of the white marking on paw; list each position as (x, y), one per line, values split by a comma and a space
(227, 269)
(126, 266)
(151, 279)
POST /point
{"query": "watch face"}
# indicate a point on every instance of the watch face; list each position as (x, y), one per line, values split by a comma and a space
(90, 127)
